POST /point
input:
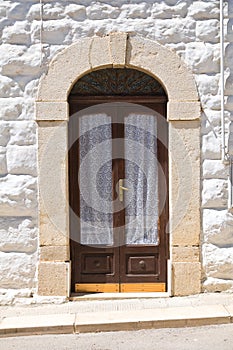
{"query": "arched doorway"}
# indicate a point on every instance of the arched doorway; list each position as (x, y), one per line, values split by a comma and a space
(118, 50)
(118, 182)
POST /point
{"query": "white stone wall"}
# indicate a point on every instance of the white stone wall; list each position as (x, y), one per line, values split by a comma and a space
(189, 27)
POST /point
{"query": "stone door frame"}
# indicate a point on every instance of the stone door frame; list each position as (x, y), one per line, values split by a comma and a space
(52, 114)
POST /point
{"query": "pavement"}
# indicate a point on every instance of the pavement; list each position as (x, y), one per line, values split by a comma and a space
(101, 313)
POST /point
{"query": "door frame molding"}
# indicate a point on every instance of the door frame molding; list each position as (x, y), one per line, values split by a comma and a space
(183, 113)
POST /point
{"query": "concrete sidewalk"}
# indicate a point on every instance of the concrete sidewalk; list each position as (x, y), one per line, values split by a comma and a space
(95, 314)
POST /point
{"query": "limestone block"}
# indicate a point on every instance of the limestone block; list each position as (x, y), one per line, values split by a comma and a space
(6, 298)
(52, 111)
(214, 169)
(169, 10)
(10, 108)
(18, 293)
(19, 33)
(170, 2)
(186, 278)
(214, 193)
(118, 42)
(230, 140)
(230, 125)
(50, 231)
(204, 10)
(35, 37)
(148, 55)
(21, 296)
(56, 49)
(229, 103)
(34, 12)
(21, 61)
(210, 119)
(53, 279)
(76, 12)
(53, 12)
(54, 253)
(4, 134)
(207, 84)
(9, 87)
(30, 90)
(133, 27)
(135, 11)
(230, 9)
(185, 254)
(174, 31)
(211, 102)
(55, 32)
(208, 30)
(218, 227)
(100, 45)
(102, 11)
(185, 186)
(18, 235)
(3, 165)
(19, 270)
(214, 285)
(218, 262)
(229, 29)
(3, 9)
(53, 183)
(22, 133)
(229, 85)
(179, 110)
(18, 195)
(211, 145)
(202, 57)
(228, 55)
(17, 11)
(28, 109)
(22, 160)
(50, 89)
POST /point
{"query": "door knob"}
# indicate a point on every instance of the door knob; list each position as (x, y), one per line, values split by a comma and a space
(121, 190)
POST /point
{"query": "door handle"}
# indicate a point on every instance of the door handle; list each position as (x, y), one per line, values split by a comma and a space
(121, 190)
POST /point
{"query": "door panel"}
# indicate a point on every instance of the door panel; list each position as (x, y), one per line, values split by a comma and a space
(96, 265)
(118, 198)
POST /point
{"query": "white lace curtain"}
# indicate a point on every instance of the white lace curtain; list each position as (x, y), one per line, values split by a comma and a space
(95, 179)
(141, 177)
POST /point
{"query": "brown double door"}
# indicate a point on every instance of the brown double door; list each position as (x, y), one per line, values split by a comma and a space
(118, 198)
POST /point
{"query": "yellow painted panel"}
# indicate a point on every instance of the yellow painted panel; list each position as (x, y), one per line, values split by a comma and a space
(99, 287)
(142, 287)
(117, 288)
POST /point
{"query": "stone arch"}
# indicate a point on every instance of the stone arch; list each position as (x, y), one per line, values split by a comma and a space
(118, 50)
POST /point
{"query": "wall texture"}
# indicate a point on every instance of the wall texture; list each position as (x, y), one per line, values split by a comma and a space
(191, 28)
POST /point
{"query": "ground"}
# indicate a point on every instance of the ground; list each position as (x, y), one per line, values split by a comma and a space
(198, 338)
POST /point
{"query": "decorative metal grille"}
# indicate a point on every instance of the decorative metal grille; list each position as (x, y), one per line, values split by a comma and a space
(117, 82)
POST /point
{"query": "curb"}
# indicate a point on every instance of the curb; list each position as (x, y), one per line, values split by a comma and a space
(153, 318)
(41, 324)
(116, 320)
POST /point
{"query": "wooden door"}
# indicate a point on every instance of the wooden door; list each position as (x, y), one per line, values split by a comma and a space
(118, 171)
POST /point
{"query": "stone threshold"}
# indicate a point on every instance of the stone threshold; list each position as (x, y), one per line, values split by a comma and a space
(117, 296)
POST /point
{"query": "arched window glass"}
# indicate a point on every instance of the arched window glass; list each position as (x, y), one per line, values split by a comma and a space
(117, 82)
